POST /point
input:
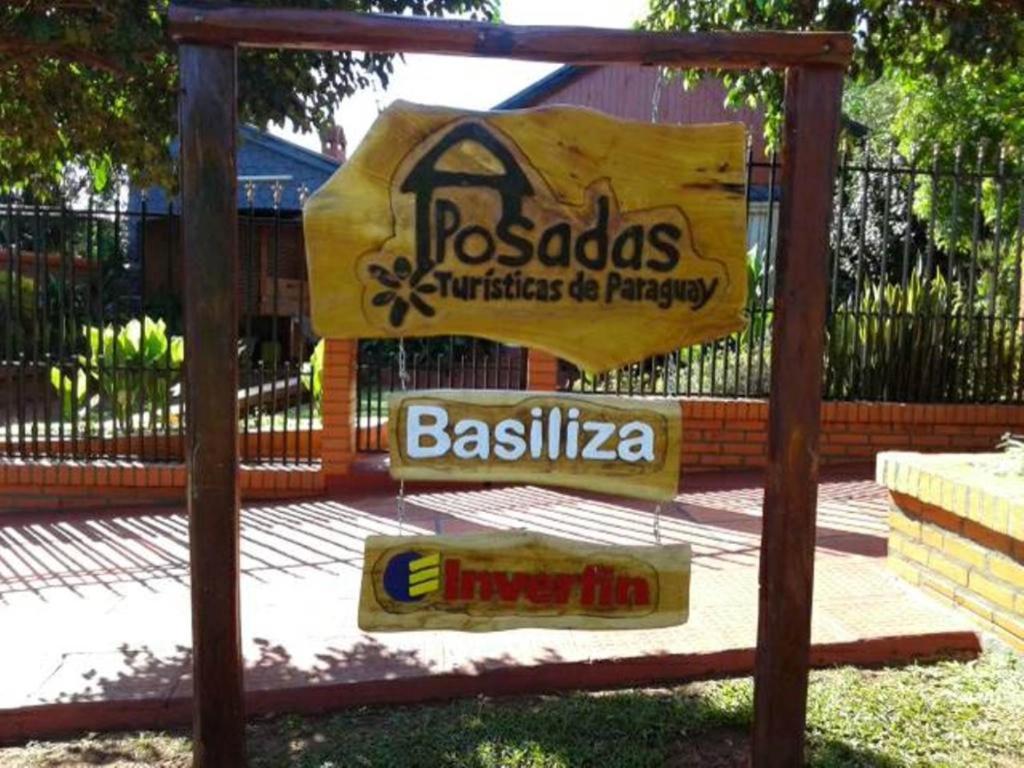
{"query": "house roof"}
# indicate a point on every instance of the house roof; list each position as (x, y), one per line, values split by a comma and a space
(547, 85)
(315, 160)
(534, 93)
(262, 158)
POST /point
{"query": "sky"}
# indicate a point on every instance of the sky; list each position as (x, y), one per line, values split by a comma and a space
(457, 81)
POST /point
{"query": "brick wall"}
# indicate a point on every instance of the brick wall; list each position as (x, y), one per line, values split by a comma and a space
(541, 371)
(717, 434)
(730, 433)
(52, 484)
(338, 413)
(734, 433)
(167, 449)
(972, 563)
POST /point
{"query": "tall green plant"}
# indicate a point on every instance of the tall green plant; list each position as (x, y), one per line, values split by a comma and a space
(128, 370)
(72, 390)
(733, 365)
(920, 342)
(313, 375)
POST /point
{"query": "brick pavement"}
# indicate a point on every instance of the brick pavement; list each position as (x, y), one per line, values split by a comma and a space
(95, 606)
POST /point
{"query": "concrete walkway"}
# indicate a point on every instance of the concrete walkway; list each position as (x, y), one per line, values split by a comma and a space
(94, 607)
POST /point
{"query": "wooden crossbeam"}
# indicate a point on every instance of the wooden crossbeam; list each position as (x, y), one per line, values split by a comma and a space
(341, 30)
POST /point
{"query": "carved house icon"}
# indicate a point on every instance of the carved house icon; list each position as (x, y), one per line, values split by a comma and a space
(425, 177)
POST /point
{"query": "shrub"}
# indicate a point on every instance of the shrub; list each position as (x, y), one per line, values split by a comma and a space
(125, 371)
(920, 342)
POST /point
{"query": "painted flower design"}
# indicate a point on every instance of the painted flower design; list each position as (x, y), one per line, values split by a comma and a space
(402, 288)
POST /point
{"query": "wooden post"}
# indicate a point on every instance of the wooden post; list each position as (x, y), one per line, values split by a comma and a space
(209, 215)
(794, 417)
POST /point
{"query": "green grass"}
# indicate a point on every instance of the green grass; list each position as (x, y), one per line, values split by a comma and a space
(949, 714)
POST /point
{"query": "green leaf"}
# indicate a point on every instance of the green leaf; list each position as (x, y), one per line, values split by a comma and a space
(102, 93)
(177, 351)
(312, 376)
(155, 341)
(100, 168)
(72, 392)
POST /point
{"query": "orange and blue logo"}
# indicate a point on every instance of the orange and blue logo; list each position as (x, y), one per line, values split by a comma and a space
(410, 576)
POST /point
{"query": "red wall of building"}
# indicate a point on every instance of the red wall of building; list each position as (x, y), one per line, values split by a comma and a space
(627, 91)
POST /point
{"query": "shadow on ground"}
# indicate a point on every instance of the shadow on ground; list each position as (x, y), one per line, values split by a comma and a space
(144, 673)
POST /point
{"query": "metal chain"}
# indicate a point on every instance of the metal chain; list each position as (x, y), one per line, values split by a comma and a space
(670, 359)
(659, 82)
(403, 383)
(403, 373)
(400, 504)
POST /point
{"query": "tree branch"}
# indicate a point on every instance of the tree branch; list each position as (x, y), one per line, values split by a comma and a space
(20, 49)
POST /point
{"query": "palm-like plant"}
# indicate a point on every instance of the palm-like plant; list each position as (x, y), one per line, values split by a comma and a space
(129, 370)
(922, 341)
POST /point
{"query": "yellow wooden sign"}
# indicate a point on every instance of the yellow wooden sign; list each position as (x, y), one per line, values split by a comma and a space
(619, 445)
(510, 579)
(602, 241)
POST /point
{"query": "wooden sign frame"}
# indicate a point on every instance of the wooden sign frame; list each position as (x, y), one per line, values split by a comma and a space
(208, 35)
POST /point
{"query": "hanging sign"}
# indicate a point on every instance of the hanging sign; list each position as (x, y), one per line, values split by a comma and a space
(600, 240)
(509, 579)
(619, 445)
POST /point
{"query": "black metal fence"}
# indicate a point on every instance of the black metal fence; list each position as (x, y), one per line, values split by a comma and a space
(924, 288)
(451, 362)
(924, 306)
(91, 352)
